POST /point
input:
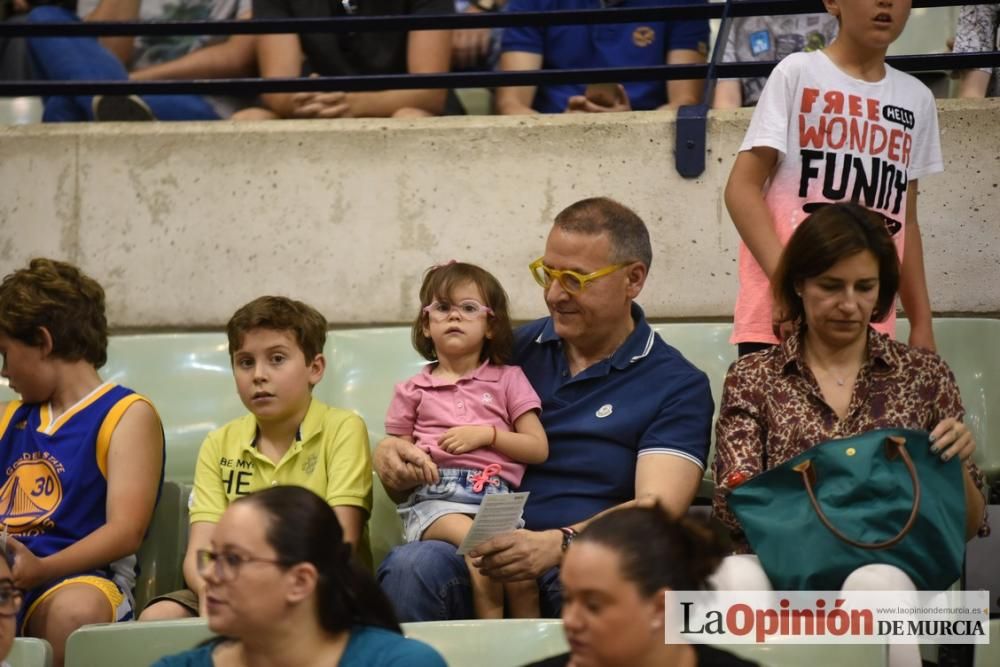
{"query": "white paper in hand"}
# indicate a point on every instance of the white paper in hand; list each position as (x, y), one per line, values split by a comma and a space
(498, 513)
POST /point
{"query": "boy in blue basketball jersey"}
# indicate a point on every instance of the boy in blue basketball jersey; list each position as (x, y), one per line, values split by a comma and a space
(81, 460)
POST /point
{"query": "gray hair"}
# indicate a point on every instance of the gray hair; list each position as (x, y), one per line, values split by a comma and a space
(602, 215)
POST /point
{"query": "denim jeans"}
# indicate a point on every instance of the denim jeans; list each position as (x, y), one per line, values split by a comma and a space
(84, 59)
(428, 581)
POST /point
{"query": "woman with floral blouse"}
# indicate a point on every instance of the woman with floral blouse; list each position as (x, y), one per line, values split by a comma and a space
(835, 377)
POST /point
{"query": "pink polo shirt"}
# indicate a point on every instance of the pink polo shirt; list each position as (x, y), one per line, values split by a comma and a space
(426, 407)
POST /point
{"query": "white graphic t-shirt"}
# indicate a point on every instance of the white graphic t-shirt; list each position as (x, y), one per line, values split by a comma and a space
(839, 139)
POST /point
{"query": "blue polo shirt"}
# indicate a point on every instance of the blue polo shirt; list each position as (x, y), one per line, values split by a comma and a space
(608, 45)
(644, 399)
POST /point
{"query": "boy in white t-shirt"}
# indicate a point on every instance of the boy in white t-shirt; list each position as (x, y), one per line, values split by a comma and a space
(834, 125)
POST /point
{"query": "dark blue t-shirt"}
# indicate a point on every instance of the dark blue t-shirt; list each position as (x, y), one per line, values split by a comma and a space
(645, 399)
(608, 45)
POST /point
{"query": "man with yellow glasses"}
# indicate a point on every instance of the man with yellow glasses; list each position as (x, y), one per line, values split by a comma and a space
(626, 417)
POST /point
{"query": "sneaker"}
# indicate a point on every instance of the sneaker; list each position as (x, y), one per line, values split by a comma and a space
(121, 108)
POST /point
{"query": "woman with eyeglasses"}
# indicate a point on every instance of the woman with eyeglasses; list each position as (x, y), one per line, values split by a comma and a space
(282, 589)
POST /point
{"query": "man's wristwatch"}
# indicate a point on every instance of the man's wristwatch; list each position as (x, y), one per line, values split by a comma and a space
(568, 535)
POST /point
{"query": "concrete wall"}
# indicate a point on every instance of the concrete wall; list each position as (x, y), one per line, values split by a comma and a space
(182, 223)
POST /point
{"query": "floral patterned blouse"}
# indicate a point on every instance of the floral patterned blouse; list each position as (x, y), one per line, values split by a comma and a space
(773, 410)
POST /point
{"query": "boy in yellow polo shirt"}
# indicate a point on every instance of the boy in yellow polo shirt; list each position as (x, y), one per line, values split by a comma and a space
(276, 349)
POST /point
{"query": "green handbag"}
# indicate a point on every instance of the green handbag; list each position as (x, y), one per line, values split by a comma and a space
(879, 497)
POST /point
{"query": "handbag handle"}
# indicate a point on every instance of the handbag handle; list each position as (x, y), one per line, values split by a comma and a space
(894, 446)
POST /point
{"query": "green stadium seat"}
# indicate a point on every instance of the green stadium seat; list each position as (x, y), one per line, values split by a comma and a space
(969, 345)
(162, 553)
(363, 365)
(514, 642)
(988, 655)
(385, 530)
(30, 652)
(132, 644)
(507, 643)
(189, 379)
(706, 345)
(796, 655)
(21, 111)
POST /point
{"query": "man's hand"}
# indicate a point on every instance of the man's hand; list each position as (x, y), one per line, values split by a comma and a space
(520, 555)
(29, 570)
(401, 466)
(469, 46)
(463, 439)
(321, 105)
(583, 104)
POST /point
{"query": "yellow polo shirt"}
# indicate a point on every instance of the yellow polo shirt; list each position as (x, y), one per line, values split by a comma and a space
(330, 457)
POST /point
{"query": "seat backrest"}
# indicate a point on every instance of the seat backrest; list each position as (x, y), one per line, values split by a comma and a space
(30, 652)
(506, 643)
(706, 345)
(513, 642)
(969, 345)
(363, 366)
(988, 655)
(189, 380)
(796, 655)
(132, 644)
(162, 553)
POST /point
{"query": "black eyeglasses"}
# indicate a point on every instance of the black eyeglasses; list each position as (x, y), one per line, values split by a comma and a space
(226, 566)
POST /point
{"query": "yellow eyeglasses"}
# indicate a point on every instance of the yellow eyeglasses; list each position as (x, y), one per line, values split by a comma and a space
(571, 281)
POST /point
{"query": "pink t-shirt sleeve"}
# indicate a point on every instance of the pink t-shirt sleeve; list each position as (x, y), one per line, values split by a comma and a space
(402, 414)
(521, 397)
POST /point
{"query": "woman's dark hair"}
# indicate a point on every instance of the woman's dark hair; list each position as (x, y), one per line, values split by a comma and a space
(439, 281)
(656, 550)
(832, 233)
(302, 528)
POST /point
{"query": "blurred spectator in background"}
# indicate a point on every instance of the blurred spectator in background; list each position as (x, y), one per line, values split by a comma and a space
(766, 39)
(352, 54)
(978, 30)
(153, 57)
(15, 63)
(476, 48)
(610, 45)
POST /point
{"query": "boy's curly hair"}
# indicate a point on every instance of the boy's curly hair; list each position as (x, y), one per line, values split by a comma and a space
(62, 299)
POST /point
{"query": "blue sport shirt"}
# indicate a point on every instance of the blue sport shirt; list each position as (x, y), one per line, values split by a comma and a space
(607, 45)
(645, 399)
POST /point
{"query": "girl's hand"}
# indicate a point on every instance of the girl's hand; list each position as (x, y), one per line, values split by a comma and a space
(29, 570)
(462, 439)
(952, 438)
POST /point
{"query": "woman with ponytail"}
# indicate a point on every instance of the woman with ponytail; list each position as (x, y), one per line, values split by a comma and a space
(283, 589)
(615, 576)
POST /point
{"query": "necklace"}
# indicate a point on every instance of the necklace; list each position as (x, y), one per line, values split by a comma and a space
(840, 380)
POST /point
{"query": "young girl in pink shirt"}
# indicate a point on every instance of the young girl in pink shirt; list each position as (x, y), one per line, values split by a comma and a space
(476, 417)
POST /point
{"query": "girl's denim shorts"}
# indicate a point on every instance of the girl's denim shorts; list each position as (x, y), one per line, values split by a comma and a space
(453, 494)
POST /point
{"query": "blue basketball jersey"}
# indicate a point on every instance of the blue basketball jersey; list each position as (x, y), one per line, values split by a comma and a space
(55, 485)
